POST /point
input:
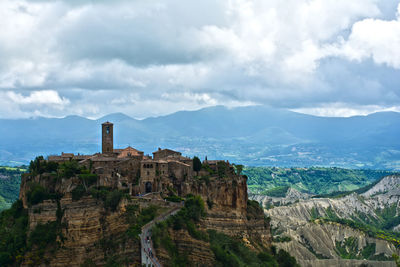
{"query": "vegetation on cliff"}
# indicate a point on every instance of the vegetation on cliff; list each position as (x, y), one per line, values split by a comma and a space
(58, 196)
(10, 179)
(316, 180)
(379, 227)
(185, 219)
(13, 234)
(227, 250)
(16, 246)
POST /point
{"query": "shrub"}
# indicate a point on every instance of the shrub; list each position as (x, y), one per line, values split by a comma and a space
(112, 200)
(69, 169)
(35, 166)
(207, 168)
(78, 192)
(194, 208)
(100, 192)
(210, 203)
(285, 260)
(36, 194)
(13, 229)
(229, 251)
(88, 179)
(239, 168)
(206, 179)
(196, 164)
(279, 191)
(174, 198)
(222, 169)
(254, 210)
(44, 235)
(137, 219)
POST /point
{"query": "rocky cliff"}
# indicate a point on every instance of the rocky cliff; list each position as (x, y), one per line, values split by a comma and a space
(227, 210)
(90, 233)
(339, 231)
(89, 225)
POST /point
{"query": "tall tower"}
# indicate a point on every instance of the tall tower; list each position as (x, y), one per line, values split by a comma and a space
(107, 146)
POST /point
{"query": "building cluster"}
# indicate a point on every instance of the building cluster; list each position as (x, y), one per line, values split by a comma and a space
(129, 168)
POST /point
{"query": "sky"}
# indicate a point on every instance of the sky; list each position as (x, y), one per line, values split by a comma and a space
(150, 58)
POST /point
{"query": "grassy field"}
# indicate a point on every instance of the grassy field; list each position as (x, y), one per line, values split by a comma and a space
(315, 180)
(10, 179)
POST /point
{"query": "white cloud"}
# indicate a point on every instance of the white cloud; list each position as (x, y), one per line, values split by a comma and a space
(63, 57)
(45, 97)
(376, 39)
(46, 103)
(344, 110)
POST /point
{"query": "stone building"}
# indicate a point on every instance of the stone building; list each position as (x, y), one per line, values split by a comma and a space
(130, 169)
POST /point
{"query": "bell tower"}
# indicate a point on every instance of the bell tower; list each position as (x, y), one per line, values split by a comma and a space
(107, 146)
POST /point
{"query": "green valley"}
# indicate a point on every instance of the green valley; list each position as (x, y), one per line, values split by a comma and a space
(10, 179)
(315, 180)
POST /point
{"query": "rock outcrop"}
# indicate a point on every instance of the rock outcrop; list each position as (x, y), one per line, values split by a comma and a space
(89, 231)
(316, 242)
(92, 233)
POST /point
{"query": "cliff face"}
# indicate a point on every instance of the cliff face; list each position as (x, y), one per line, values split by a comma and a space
(227, 208)
(318, 242)
(227, 211)
(90, 232)
(198, 252)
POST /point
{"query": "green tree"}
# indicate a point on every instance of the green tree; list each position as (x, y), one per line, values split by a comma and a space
(396, 259)
(239, 168)
(196, 164)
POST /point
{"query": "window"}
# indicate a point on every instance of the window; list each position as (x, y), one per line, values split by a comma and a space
(108, 129)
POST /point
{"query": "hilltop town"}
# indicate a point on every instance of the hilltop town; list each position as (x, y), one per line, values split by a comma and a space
(121, 207)
(129, 168)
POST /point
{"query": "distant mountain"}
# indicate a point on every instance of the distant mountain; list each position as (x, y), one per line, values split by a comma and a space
(254, 135)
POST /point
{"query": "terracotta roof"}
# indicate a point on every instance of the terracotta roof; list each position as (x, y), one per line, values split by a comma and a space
(131, 148)
(166, 149)
(67, 155)
(180, 163)
(100, 157)
(213, 161)
(179, 157)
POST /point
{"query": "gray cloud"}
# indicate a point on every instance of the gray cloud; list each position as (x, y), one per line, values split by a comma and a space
(147, 58)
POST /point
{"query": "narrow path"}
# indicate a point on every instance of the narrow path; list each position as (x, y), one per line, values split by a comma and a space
(148, 254)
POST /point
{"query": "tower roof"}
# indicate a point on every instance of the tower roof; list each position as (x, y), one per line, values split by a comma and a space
(107, 122)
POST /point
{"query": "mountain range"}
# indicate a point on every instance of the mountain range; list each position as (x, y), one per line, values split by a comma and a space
(252, 135)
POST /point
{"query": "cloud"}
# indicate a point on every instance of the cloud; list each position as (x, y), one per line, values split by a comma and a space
(375, 38)
(148, 58)
(45, 97)
(343, 110)
(37, 103)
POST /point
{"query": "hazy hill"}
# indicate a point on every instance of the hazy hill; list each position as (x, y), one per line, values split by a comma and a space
(255, 135)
